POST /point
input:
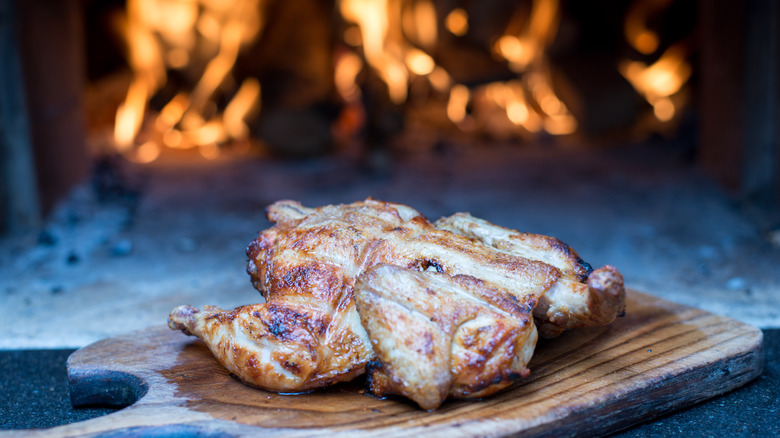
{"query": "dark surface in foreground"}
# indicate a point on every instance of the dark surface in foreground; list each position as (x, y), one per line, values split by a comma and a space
(34, 394)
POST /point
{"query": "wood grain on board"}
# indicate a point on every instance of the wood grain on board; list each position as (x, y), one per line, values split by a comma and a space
(660, 357)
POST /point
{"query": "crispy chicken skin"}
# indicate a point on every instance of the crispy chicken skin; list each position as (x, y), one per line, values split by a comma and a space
(582, 297)
(309, 334)
(436, 335)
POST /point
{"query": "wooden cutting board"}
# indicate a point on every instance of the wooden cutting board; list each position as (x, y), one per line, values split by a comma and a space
(660, 357)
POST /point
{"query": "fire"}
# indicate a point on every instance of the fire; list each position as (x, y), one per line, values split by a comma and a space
(644, 40)
(661, 80)
(456, 107)
(531, 103)
(394, 41)
(165, 35)
(527, 46)
(457, 22)
(394, 36)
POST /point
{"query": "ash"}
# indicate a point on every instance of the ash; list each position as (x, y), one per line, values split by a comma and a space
(136, 241)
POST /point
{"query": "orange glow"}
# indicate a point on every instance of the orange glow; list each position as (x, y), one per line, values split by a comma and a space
(173, 139)
(425, 23)
(457, 22)
(418, 22)
(544, 19)
(499, 92)
(526, 47)
(352, 36)
(644, 40)
(172, 112)
(129, 115)
(660, 80)
(348, 66)
(147, 152)
(518, 52)
(560, 124)
(517, 112)
(511, 97)
(177, 58)
(209, 133)
(456, 106)
(440, 79)
(246, 100)
(419, 62)
(664, 109)
(209, 151)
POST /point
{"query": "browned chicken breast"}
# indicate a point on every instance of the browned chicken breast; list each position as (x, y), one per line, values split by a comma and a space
(436, 336)
(309, 334)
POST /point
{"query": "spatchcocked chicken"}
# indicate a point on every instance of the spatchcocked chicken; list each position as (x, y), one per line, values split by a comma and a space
(431, 310)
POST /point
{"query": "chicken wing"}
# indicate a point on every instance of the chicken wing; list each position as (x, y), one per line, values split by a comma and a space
(582, 297)
(461, 337)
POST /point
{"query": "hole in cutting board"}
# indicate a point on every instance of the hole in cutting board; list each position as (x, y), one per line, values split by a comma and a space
(105, 388)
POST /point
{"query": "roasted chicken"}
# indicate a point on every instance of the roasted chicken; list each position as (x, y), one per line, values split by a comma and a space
(309, 333)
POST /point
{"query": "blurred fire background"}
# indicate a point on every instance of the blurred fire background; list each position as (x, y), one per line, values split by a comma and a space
(145, 78)
(312, 77)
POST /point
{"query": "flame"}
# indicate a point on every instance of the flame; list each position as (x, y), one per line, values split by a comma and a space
(456, 106)
(457, 22)
(218, 68)
(644, 40)
(526, 47)
(129, 115)
(372, 17)
(348, 66)
(174, 34)
(440, 79)
(660, 80)
(511, 97)
(246, 100)
(147, 152)
(532, 102)
(395, 36)
(419, 62)
(419, 23)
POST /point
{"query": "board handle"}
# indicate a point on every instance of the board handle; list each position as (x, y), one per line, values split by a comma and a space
(104, 388)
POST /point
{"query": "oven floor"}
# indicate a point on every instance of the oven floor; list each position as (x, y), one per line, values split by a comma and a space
(127, 247)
